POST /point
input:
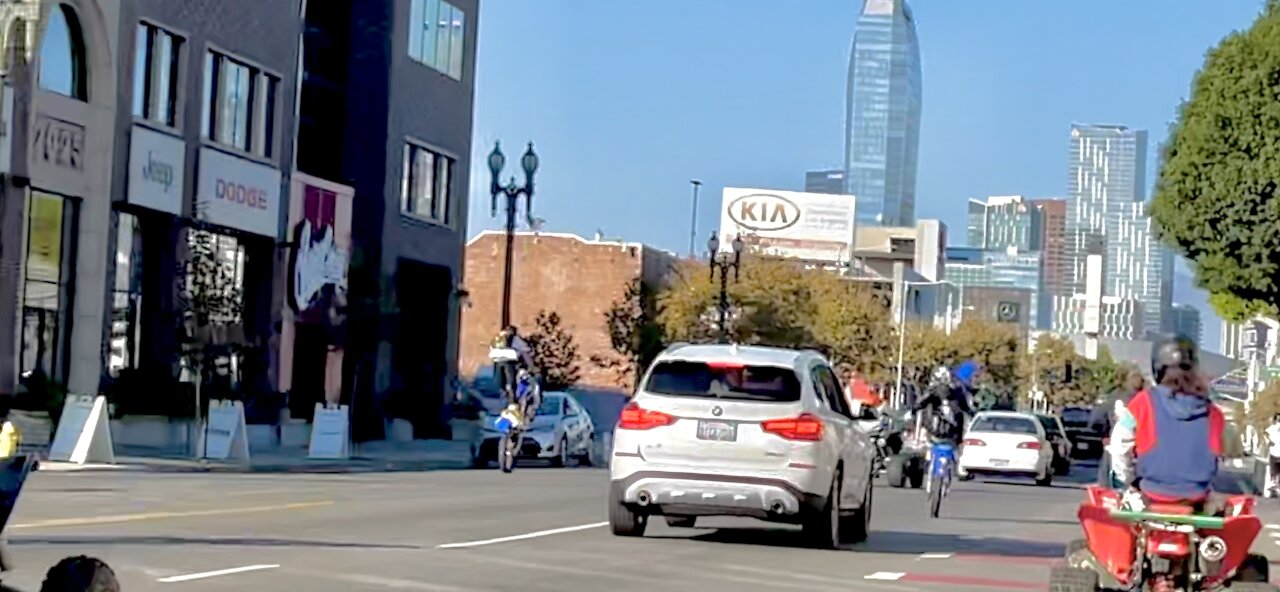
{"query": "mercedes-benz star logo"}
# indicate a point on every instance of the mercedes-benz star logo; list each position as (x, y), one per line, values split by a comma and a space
(717, 411)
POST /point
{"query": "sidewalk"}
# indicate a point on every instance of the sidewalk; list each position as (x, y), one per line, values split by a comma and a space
(423, 455)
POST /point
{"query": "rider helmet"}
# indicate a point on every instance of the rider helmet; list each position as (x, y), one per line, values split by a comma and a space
(1178, 352)
(941, 374)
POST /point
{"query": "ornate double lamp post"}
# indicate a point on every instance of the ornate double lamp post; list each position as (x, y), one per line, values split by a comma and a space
(724, 262)
(512, 193)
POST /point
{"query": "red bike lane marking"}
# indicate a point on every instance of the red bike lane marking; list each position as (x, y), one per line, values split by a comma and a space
(1008, 559)
(971, 581)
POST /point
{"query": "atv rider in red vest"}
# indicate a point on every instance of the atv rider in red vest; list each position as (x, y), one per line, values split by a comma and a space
(1167, 447)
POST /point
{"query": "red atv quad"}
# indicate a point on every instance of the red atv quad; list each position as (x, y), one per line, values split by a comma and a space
(1166, 548)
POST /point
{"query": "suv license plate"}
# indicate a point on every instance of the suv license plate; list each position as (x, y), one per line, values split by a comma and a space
(718, 431)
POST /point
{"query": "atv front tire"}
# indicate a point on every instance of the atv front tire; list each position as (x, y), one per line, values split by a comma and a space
(1071, 579)
(80, 574)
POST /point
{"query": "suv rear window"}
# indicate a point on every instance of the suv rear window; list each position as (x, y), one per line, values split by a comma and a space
(724, 381)
(1005, 425)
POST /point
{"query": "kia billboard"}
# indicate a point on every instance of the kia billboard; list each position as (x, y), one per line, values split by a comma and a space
(810, 226)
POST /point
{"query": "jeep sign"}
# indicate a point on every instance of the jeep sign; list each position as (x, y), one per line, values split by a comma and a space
(809, 226)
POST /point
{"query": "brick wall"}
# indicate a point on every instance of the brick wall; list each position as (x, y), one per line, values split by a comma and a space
(578, 278)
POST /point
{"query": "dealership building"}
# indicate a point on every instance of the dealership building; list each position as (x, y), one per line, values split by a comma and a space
(187, 196)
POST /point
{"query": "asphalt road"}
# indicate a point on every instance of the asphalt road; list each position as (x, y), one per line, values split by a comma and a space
(537, 529)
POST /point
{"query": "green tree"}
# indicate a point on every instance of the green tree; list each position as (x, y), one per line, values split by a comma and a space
(1055, 369)
(1216, 196)
(554, 353)
(635, 336)
(997, 347)
(769, 303)
(781, 303)
(851, 326)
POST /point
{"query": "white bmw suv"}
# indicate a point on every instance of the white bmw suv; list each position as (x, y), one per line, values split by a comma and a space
(726, 430)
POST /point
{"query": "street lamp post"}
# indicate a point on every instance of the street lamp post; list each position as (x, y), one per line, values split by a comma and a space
(693, 218)
(724, 262)
(512, 193)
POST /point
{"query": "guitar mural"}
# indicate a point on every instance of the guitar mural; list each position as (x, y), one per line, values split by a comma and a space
(320, 233)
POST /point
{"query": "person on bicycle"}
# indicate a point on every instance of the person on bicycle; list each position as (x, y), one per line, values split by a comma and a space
(1166, 446)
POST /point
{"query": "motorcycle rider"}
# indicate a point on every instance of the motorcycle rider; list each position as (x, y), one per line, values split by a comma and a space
(513, 363)
(945, 405)
(1166, 446)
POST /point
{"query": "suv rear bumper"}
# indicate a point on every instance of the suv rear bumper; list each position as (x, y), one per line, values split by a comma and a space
(691, 494)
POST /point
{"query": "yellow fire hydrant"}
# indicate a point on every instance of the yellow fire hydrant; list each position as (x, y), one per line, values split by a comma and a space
(10, 437)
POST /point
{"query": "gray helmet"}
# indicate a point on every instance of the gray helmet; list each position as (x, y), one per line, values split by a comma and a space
(1178, 351)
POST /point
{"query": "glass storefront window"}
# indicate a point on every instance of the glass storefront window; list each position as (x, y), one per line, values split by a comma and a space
(44, 285)
(126, 298)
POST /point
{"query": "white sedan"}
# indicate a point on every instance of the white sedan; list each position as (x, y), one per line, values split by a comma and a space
(1006, 443)
(562, 432)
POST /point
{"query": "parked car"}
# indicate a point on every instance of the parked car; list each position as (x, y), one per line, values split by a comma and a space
(1086, 437)
(562, 432)
(1058, 441)
(727, 430)
(1006, 443)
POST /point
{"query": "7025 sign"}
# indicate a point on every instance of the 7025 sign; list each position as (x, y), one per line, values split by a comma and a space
(58, 142)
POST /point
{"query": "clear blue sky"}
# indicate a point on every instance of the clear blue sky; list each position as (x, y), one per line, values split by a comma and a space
(627, 101)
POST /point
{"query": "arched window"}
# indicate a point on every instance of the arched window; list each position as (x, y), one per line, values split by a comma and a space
(62, 55)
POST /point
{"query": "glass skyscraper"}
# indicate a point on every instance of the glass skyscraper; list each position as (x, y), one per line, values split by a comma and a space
(1106, 189)
(882, 117)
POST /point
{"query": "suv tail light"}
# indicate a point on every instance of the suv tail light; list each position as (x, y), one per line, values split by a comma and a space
(1034, 445)
(635, 417)
(805, 427)
(974, 442)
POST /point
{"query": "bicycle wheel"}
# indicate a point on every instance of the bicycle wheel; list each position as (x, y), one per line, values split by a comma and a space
(935, 494)
(507, 455)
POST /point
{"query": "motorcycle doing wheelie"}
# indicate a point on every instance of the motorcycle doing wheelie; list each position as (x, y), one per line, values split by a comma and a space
(515, 419)
(1163, 548)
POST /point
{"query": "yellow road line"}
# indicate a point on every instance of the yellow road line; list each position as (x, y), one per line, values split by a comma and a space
(116, 519)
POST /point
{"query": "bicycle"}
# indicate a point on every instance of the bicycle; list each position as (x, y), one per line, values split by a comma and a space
(942, 461)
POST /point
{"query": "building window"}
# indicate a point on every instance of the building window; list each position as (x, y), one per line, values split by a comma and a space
(45, 287)
(239, 104)
(155, 74)
(437, 36)
(126, 299)
(63, 69)
(425, 184)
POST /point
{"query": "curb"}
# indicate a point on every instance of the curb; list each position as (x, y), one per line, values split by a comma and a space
(278, 468)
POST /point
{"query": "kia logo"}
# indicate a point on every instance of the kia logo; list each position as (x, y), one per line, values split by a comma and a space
(764, 212)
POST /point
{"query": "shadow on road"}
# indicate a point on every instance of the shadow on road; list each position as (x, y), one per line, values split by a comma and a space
(1013, 520)
(210, 541)
(895, 542)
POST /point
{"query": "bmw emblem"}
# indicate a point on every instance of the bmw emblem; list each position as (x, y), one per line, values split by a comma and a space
(717, 411)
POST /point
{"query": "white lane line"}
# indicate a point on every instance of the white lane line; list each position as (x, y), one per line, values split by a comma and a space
(890, 576)
(936, 555)
(521, 537)
(213, 574)
(1274, 526)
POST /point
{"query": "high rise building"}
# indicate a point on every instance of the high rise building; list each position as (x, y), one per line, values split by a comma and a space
(1053, 242)
(882, 116)
(1001, 222)
(1184, 319)
(975, 267)
(1107, 197)
(826, 181)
